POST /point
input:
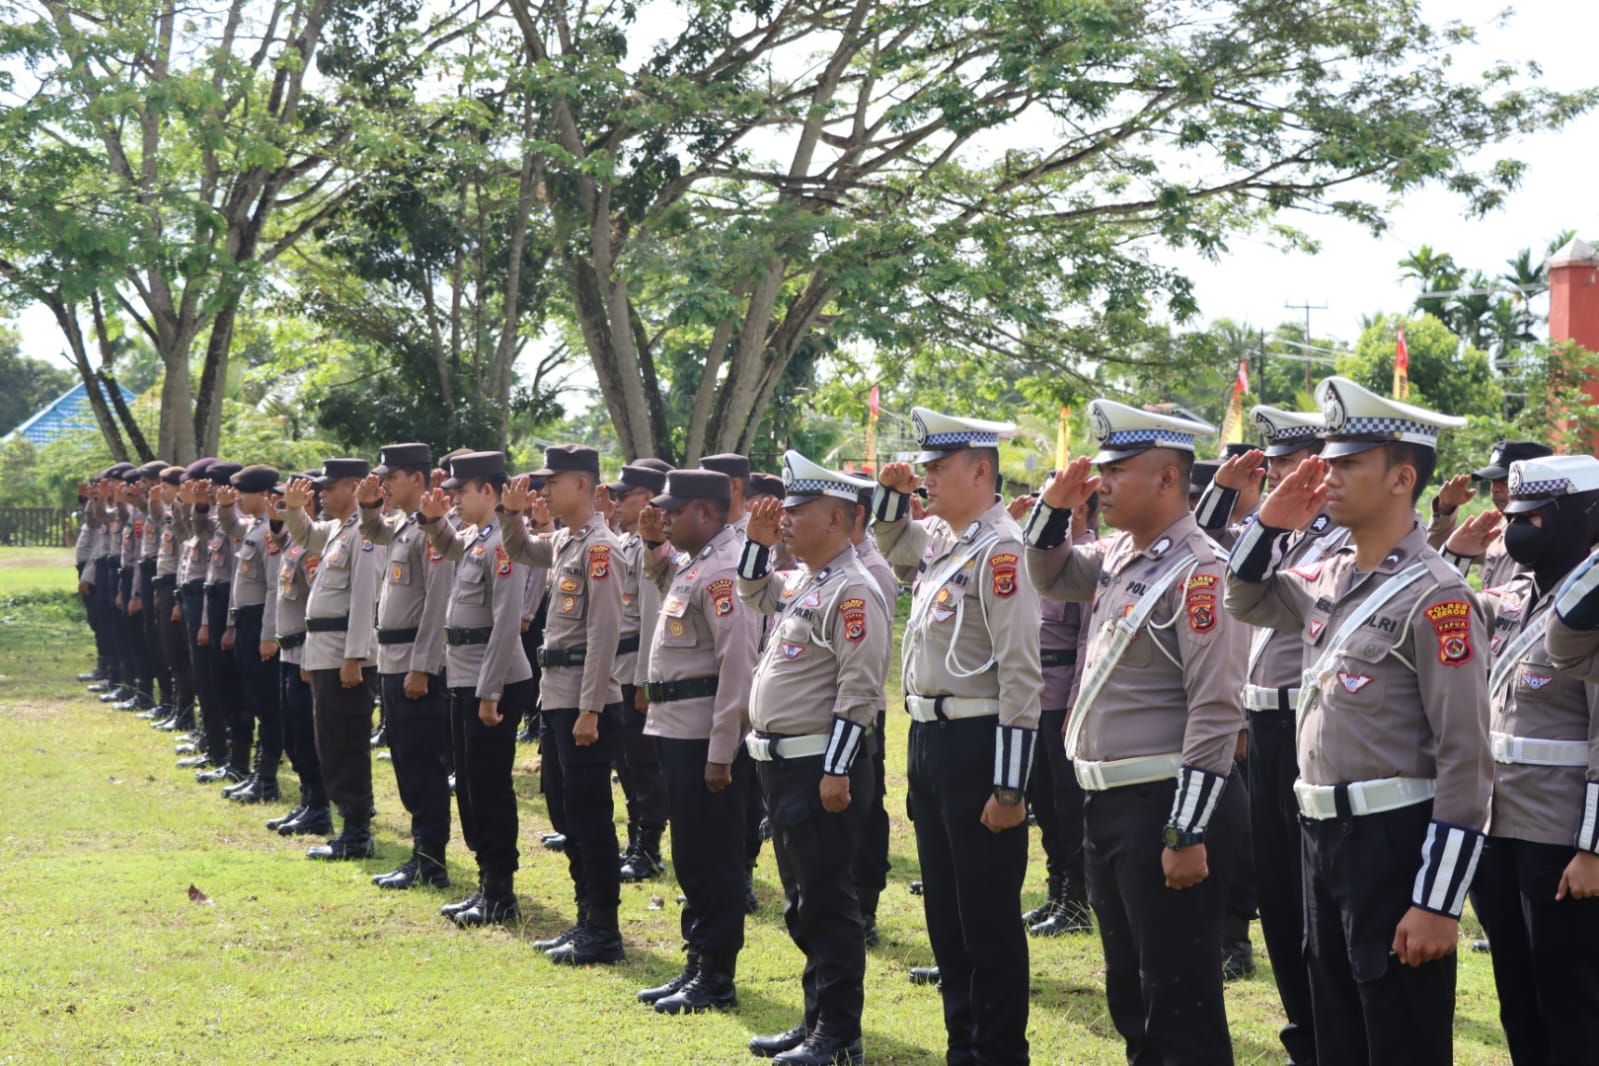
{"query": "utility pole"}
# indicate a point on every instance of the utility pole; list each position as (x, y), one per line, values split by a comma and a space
(1306, 307)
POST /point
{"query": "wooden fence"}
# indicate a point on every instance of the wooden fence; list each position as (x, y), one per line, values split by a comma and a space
(37, 527)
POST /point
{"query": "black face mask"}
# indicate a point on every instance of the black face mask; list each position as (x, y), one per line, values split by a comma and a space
(1569, 526)
(1525, 542)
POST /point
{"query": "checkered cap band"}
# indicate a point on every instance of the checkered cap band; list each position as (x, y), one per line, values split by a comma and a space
(1550, 487)
(1121, 438)
(1288, 433)
(969, 438)
(816, 486)
(1374, 427)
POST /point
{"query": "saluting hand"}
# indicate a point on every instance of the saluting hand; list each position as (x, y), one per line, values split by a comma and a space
(1240, 472)
(434, 504)
(1019, 506)
(518, 495)
(765, 514)
(369, 493)
(1472, 537)
(297, 494)
(1456, 491)
(651, 526)
(1071, 486)
(227, 495)
(539, 513)
(899, 477)
(1299, 499)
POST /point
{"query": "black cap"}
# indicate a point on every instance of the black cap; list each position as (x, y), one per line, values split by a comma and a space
(1510, 451)
(1203, 473)
(221, 473)
(256, 478)
(339, 469)
(196, 470)
(729, 463)
(485, 466)
(312, 476)
(131, 476)
(649, 462)
(535, 480)
(686, 486)
(172, 475)
(767, 485)
(393, 457)
(1238, 448)
(566, 458)
(638, 476)
(152, 469)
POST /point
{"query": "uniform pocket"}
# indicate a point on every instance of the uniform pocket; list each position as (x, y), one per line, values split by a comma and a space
(472, 590)
(399, 573)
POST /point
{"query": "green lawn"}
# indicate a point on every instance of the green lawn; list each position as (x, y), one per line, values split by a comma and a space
(107, 960)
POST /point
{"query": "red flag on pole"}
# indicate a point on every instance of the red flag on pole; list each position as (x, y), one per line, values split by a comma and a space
(1401, 368)
(871, 402)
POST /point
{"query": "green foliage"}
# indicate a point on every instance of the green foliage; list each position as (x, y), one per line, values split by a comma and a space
(28, 384)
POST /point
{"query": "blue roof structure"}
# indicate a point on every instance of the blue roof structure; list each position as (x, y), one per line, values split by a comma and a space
(67, 413)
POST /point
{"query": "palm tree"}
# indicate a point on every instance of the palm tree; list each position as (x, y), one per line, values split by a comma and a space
(1437, 272)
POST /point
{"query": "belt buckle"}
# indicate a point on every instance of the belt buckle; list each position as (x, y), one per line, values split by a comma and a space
(761, 749)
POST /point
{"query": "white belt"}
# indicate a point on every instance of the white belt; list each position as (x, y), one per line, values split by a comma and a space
(1261, 698)
(940, 708)
(766, 749)
(1118, 773)
(1532, 752)
(1320, 802)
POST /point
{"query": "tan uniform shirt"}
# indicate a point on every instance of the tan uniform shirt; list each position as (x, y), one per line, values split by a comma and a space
(630, 571)
(703, 631)
(251, 578)
(488, 592)
(133, 523)
(1407, 697)
(828, 656)
(167, 543)
(413, 593)
(585, 608)
(1178, 686)
(973, 629)
(296, 568)
(346, 586)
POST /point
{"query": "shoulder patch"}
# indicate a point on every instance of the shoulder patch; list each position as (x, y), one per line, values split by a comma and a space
(599, 562)
(1200, 600)
(434, 555)
(721, 593)
(502, 561)
(366, 545)
(853, 611)
(1451, 622)
(1002, 567)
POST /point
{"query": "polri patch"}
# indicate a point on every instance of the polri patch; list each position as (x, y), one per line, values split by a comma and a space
(853, 611)
(1002, 569)
(502, 561)
(721, 593)
(599, 562)
(1451, 621)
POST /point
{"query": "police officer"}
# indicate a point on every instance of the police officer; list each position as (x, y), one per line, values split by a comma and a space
(871, 858)
(191, 606)
(972, 683)
(1497, 566)
(83, 559)
(815, 695)
(1536, 894)
(413, 597)
(159, 691)
(137, 667)
(285, 617)
(579, 699)
(1392, 728)
(168, 615)
(340, 647)
(101, 580)
(242, 517)
(638, 765)
(1270, 697)
(702, 654)
(1154, 729)
(232, 728)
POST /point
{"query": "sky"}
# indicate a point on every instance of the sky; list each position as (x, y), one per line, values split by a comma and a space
(1356, 273)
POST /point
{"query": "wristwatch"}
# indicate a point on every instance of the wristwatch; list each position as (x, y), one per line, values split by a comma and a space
(1008, 797)
(1175, 838)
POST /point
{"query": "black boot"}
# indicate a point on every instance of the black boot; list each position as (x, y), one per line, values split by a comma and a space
(264, 789)
(869, 916)
(632, 842)
(450, 910)
(497, 907)
(777, 1043)
(240, 786)
(424, 867)
(191, 762)
(644, 863)
(1071, 913)
(691, 968)
(1046, 908)
(282, 819)
(1237, 954)
(353, 842)
(925, 975)
(711, 989)
(596, 942)
(751, 904)
(565, 936)
(820, 1049)
(553, 841)
(225, 774)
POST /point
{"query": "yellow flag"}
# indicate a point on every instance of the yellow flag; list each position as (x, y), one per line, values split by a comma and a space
(1232, 429)
(1062, 432)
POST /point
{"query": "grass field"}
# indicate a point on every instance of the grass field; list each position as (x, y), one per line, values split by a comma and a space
(107, 960)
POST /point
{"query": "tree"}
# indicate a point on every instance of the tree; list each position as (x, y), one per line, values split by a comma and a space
(967, 173)
(29, 383)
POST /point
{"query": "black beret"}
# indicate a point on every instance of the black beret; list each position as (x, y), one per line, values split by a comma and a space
(221, 473)
(651, 463)
(172, 475)
(767, 485)
(152, 469)
(729, 463)
(685, 486)
(403, 456)
(638, 476)
(564, 458)
(196, 470)
(256, 479)
(131, 475)
(339, 469)
(484, 466)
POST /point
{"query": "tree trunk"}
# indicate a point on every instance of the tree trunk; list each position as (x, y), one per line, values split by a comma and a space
(108, 376)
(67, 318)
(214, 378)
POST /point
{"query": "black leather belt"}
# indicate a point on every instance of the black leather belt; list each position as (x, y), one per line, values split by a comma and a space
(218, 586)
(1058, 657)
(290, 641)
(327, 625)
(457, 635)
(166, 581)
(147, 566)
(246, 610)
(191, 588)
(627, 645)
(687, 688)
(397, 636)
(563, 656)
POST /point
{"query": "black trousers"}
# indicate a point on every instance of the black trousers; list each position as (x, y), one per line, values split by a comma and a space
(344, 740)
(639, 768)
(1369, 1007)
(150, 633)
(107, 632)
(234, 701)
(815, 852)
(871, 866)
(259, 684)
(1545, 953)
(299, 732)
(1057, 801)
(586, 809)
(213, 722)
(174, 650)
(419, 747)
(707, 844)
(972, 884)
(483, 757)
(1163, 981)
(1272, 768)
(137, 670)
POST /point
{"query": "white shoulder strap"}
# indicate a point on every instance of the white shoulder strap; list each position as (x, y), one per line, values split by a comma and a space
(1346, 632)
(1507, 661)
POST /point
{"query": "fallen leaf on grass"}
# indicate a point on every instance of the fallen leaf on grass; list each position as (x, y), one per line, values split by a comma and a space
(657, 903)
(196, 896)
